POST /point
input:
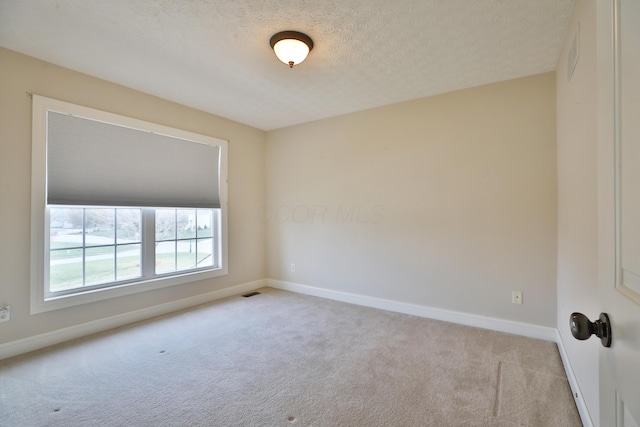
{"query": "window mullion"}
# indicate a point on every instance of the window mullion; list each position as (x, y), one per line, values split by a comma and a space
(115, 244)
(84, 247)
(148, 242)
(175, 240)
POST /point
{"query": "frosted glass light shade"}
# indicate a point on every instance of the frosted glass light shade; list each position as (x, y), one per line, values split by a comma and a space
(291, 47)
(291, 51)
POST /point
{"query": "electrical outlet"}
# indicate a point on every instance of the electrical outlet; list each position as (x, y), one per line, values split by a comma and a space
(293, 267)
(516, 297)
(5, 313)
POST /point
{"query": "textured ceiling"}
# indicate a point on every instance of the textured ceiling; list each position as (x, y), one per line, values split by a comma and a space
(214, 55)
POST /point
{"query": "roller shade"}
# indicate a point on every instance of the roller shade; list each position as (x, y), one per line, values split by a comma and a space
(95, 163)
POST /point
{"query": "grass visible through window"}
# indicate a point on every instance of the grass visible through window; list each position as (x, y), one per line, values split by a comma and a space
(69, 276)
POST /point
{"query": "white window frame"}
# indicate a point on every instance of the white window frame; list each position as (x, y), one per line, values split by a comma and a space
(39, 213)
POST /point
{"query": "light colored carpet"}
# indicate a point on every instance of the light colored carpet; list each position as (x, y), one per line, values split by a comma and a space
(283, 359)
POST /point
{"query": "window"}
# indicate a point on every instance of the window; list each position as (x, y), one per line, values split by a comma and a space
(93, 246)
(121, 206)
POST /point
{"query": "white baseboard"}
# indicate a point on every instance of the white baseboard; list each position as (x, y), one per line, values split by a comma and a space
(500, 325)
(573, 383)
(25, 345)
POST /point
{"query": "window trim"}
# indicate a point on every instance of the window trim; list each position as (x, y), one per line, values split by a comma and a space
(39, 211)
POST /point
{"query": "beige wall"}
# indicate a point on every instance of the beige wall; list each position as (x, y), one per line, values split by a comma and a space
(578, 199)
(446, 202)
(21, 74)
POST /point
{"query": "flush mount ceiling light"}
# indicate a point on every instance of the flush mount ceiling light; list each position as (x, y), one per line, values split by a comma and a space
(291, 47)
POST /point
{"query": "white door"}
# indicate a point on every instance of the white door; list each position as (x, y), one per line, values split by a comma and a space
(619, 208)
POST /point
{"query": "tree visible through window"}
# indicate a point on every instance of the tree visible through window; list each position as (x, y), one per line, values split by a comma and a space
(93, 246)
(184, 239)
(100, 245)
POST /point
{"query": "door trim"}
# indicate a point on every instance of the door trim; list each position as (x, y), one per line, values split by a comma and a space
(626, 282)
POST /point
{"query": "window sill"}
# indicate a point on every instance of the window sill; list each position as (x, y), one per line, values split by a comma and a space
(42, 305)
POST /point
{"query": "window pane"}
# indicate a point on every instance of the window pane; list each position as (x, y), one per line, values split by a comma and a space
(186, 220)
(186, 254)
(65, 228)
(128, 262)
(128, 225)
(65, 270)
(99, 227)
(165, 224)
(205, 222)
(99, 265)
(65, 254)
(97, 246)
(205, 252)
(165, 257)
